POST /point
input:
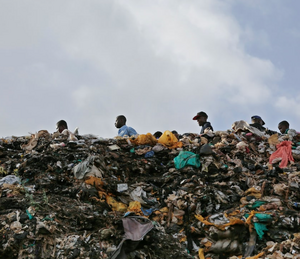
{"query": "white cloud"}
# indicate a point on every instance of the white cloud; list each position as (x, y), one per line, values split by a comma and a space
(176, 37)
(291, 105)
(157, 62)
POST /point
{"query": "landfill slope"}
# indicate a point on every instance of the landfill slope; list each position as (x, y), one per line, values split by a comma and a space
(215, 196)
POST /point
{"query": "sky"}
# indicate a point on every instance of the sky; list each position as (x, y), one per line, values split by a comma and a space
(157, 62)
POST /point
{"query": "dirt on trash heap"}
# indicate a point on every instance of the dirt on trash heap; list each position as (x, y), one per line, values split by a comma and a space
(226, 194)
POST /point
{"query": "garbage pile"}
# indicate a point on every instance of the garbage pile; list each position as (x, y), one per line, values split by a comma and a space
(225, 194)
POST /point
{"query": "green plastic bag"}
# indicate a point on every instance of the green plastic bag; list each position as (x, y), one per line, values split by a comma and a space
(260, 228)
(263, 217)
(256, 204)
(186, 158)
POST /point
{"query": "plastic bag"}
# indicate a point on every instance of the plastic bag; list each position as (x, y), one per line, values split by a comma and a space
(284, 151)
(186, 158)
(144, 139)
(206, 150)
(95, 181)
(135, 206)
(115, 205)
(10, 179)
(169, 140)
(273, 140)
(87, 168)
(260, 228)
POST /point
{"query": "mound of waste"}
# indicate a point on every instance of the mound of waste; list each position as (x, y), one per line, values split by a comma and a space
(225, 194)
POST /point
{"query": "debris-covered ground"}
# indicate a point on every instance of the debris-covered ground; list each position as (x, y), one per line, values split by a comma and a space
(220, 195)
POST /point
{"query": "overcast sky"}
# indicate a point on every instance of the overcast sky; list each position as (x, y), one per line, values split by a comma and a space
(158, 62)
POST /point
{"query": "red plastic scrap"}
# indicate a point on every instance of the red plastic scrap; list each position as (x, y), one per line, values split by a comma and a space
(284, 150)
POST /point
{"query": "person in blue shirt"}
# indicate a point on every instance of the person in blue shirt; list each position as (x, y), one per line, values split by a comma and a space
(201, 117)
(124, 130)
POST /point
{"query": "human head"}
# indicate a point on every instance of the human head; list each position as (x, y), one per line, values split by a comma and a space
(120, 121)
(61, 126)
(283, 126)
(201, 117)
(257, 119)
(157, 134)
(176, 134)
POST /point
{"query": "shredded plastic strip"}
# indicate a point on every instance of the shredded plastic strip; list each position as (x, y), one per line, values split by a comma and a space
(201, 253)
(233, 221)
(256, 256)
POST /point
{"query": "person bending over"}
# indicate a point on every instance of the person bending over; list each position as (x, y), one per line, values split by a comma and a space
(61, 126)
(283, 127)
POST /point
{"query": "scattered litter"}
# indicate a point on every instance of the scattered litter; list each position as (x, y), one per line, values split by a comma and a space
(226, 194)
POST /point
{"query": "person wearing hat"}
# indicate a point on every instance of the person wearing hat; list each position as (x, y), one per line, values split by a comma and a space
(201, 117)
(257, 122)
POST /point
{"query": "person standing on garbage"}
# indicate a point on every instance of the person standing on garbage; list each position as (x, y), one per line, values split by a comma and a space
(61, 126)
(283, 127)
(157, 134)
(176, 134)
(257, 122)
(124, 130)
(202, 117)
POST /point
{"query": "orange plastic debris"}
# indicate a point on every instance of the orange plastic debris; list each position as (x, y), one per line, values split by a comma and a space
(156, 218)
(168, 139)
(102, 194)
(135, 206)
(234, 213)
(256, 256)
(208, 244)
(97, 182)
(201, 253)
(232, 221)
(164, 210)
(253, 192)
(183, 239)
(116, 206)
(249, 219)
(192, 229)
(144, 139)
